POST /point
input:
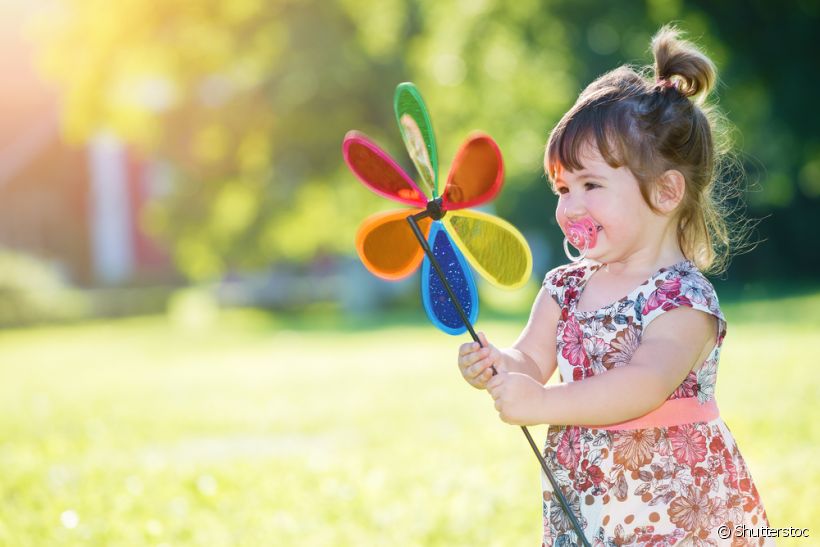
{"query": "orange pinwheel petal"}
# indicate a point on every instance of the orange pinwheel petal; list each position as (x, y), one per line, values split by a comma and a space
(476, 175)
(387, 246)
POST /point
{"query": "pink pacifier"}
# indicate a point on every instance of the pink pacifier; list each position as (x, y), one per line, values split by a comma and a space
(582, 234)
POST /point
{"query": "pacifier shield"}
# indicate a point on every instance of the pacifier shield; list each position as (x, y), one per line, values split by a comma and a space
(583, 234)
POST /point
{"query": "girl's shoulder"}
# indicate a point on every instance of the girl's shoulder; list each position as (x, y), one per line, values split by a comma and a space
(683, 283)
(680, 285)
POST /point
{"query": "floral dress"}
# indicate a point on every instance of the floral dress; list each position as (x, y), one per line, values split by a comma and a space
(672, 485)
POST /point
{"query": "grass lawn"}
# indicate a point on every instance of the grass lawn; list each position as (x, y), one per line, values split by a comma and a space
(269, 431)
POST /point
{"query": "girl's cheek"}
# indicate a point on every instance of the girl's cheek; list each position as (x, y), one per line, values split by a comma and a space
(560, 218)
(599, 204)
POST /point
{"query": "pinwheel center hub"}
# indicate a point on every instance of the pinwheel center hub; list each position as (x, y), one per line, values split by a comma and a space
(434, 209)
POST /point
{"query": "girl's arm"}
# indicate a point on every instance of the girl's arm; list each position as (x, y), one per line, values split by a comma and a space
(533, 354)
(534, 351)
(672, 344)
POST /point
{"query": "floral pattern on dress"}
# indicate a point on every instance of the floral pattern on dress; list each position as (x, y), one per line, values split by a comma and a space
(653, 486)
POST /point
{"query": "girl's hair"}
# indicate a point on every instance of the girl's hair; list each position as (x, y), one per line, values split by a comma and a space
(651, 123)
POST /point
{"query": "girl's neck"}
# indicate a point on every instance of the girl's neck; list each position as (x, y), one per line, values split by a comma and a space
(635, 266)
(658, 250)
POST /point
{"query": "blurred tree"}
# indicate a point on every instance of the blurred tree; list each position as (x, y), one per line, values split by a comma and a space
(248, 102)
(771, 75)
(245, 101)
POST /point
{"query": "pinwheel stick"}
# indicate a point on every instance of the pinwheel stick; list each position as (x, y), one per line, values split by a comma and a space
(433, 212)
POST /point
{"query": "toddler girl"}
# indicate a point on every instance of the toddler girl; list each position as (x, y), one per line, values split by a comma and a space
(636, 441)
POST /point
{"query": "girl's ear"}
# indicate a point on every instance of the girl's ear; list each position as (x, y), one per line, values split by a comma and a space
(669, 190)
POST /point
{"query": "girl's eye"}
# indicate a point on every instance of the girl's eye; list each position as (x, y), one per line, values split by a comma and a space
(591, 185)
(561, 190)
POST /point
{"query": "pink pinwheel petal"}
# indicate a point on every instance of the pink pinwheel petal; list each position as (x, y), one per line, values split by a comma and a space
(377, 170)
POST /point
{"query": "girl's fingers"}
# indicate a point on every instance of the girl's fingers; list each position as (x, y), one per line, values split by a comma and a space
(470, 373)
(495, 382)
(470, 347)
(478, 368)
(474, 362)
(471, 359)
(481, 380)
(465, 362)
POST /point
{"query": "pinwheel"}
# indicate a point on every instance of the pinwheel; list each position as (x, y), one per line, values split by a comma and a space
(440, 230)
(387, 245)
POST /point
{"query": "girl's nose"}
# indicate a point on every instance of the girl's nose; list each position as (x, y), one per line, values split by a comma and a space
(573, 208)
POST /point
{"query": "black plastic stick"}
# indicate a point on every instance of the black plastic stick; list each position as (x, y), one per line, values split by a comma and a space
(562, 500)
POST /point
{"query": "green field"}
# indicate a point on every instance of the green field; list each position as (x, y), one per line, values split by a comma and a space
(261, 430)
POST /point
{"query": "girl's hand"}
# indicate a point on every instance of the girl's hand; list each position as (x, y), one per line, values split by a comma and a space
(474, 362)
(518, 397)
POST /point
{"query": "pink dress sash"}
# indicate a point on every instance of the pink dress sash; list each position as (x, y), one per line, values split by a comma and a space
(672, 412)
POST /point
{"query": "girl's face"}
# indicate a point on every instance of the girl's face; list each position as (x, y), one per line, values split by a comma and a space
(612, 199)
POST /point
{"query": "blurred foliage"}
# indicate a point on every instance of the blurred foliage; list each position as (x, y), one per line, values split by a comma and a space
(32, 291)
(248, 101)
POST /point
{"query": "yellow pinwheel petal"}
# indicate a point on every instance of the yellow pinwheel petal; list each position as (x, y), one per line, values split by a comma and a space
(492, 246)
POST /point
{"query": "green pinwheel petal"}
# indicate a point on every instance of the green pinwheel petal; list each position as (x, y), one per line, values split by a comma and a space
(417, 133)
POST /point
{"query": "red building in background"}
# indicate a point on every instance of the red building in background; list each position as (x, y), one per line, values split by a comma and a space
(78, 207)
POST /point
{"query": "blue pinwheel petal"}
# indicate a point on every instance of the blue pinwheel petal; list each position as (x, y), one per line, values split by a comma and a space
(437, 303)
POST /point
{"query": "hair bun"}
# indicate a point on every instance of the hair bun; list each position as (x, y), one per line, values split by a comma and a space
(680, 62)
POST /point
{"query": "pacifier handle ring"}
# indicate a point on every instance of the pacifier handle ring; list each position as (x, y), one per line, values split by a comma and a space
(569, 254)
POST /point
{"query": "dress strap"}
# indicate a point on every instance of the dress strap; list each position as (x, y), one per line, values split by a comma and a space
(681, 285)
(564, 282)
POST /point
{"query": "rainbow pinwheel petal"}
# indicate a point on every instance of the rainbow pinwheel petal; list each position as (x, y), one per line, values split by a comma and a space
(476, 175)
(387, 246)
(437, 304)
(417, 133)
(493, 246)
(378, 171)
